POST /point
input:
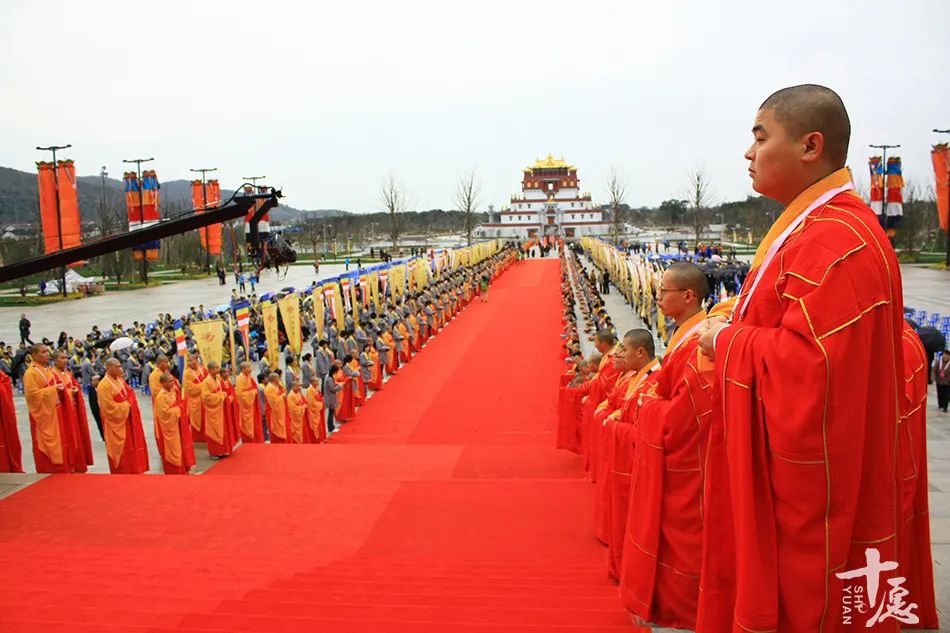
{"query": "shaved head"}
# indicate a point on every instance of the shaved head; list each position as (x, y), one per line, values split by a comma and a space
(689, 276)
(606, 336)
(811, 108)
(640, 338)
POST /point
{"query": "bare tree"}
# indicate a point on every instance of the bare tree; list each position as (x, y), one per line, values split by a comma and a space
(616, 190)
(919, 222)
(466, 198)
(313, 232)
(698, 200)
(395, 202)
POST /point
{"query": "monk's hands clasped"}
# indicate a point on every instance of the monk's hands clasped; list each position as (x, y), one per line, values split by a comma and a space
(707, 335)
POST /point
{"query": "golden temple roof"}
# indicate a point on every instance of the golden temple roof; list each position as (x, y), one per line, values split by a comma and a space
(550, 163)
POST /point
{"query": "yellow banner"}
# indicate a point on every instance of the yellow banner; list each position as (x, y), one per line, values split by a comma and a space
(374, 289)
(269, 312)
(317, 298)
(209, 338)
(338, 306)
(290, 313)
(354, 301)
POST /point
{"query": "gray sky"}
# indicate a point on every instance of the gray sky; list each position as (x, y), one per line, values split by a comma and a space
(327, 97)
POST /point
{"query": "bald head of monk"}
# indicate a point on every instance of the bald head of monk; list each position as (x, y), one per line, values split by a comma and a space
(682, 291)
(801, 135)
(604, 341)
(638, 348)
(114, 367)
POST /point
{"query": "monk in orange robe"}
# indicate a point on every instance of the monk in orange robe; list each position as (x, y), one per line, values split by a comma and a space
(346, 407)
(299, 415)
(231, 406)
(275, 400)
(172, 431)
(610, 405)
(316, 413)
(404, 355)
(620, 433)
(121, 422)
(810, 372)
(415, 341)
(376, 373)
(11, 451)
(218, 413)
(356, 381)
(662, 555)
(916, 557)
(597, 389)
(191, 384)
(54, 449)
(73, 409)
(392, 362)
(247, 399)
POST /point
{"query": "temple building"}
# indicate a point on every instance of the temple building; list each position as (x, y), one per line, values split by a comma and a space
(550, 204)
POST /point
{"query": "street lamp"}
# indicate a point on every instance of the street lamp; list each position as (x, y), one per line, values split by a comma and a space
(138, 169)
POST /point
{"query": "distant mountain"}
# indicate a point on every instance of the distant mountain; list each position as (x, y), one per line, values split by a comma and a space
(19, 198)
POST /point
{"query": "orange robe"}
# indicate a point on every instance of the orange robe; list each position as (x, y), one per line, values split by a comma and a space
(316, 414)
(73, 408)
(299, 417)
(122, 427)
(810, 376)
(392, 363)
(359, 387)
(662, 555)
(345, 408)
(231, 411)
(376, 376)
(191, 383)
(611, 404)
(276, 413)
(916, 557)
(247, 399)
(620, 439)
(597, 389)
(567, 404)
(52, 451)
(404, 355)
(415, 341)
(218, 416)
(172, 432)
(11, 452)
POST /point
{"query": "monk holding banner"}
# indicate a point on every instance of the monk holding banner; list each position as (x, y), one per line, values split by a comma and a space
(662, 554)
(248, 402)
(810, 373)
(218, 412)
(620, 432)
(172, 431)
(121, 422)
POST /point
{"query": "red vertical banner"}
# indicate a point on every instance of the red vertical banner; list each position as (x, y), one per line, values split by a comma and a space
(69, 204)
(61, 227)
(202, 198)
(214, 231)
(48, 219)
(941, 160)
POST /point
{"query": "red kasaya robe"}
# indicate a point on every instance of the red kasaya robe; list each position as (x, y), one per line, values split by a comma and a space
(173, 432)
(122, 427)
(11, 451)
(810, 373)
(191, 384)
(613, 402)
(567, 413)
(662, 555)
(53, 451)
(620, 436)
(597, 389)
(916, 557)
(231, 408)
(247, 400)
(73, 408)
(345, 408)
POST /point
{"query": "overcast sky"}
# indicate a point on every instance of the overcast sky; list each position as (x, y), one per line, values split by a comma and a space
(324, 98)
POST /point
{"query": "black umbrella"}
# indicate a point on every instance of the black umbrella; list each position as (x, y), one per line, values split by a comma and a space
(932, 339)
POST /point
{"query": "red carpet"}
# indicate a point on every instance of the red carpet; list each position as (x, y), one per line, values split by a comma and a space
(443, 507)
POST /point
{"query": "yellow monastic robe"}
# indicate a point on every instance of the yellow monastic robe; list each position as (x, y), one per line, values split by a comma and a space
(191, 384)
(167, 415)
(115, 416)
(42, 398)
(297, 406)
(213, 396)
(245, 391)
(315, 408)
(277, 411)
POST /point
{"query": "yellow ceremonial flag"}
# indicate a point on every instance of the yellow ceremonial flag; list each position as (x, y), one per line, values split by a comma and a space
(290, 313)
(269, 312)
(209, 338)
(374, 289)
(337, 299)
(318, 310)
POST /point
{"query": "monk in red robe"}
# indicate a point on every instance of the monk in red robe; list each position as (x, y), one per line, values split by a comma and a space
(172, 431)
(620, 435)
(916, 557)
(276, 410)
(597, 389)
(346, 407)
(662, 555)
(191, 384)
(247, 399)
(218, 413)
(316, 413)
(74, 412)
(610, 405)
(121, 422)
(54, 448)
(569, 395)
(11, 452)
(810, 372)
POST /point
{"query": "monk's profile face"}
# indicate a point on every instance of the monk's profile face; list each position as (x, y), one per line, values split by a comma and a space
(775, 159)
(163, 365)
(60, 362)
(633, 354)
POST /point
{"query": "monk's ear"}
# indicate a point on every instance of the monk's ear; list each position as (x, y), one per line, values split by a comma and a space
(813, 147)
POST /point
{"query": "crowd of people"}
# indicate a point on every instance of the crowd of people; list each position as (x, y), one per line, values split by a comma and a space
(769, 472)
(243, 400)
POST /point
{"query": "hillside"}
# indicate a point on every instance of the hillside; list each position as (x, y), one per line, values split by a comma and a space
(19, 197)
